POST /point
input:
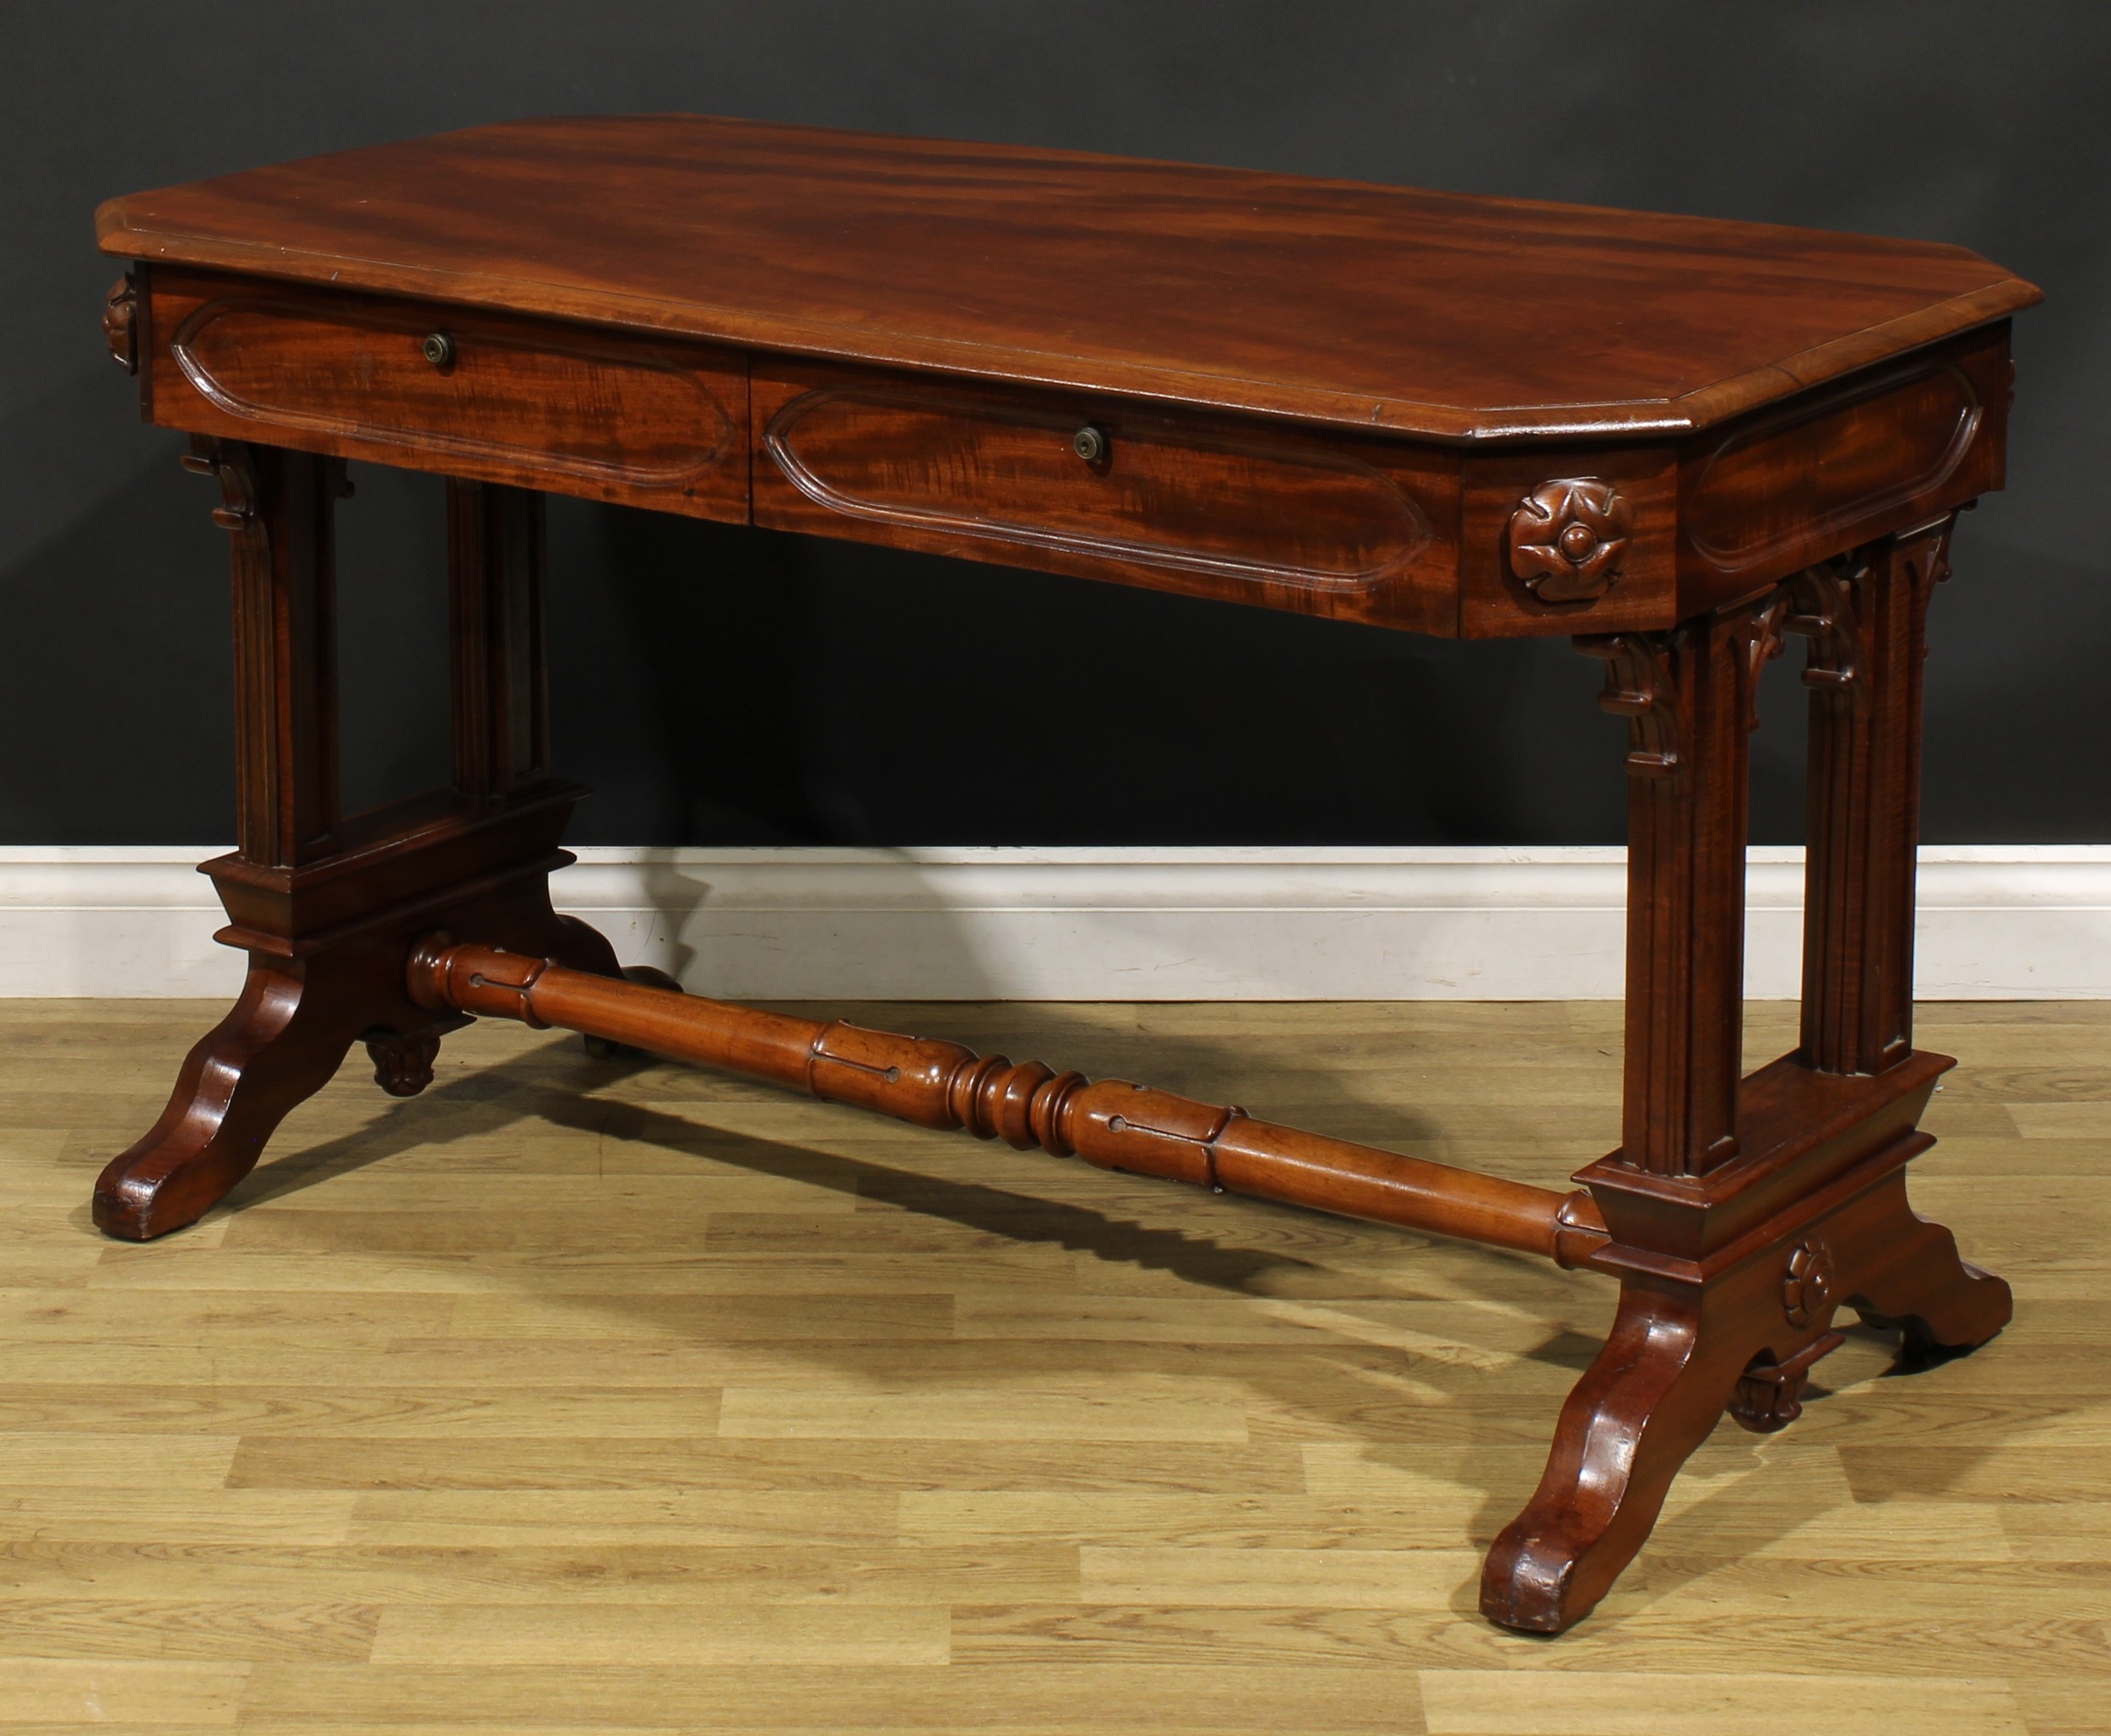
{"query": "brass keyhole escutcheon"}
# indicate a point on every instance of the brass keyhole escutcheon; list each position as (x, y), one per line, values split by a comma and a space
(1089, 443)
(438, 348)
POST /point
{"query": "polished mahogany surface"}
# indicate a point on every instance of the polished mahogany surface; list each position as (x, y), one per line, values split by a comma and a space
(1682, 443)
(1386, 308)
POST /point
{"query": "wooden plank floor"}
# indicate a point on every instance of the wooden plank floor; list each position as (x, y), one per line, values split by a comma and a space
(578, 1396)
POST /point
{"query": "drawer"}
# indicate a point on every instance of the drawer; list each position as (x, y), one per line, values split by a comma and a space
(533, 403)
(1223, 506)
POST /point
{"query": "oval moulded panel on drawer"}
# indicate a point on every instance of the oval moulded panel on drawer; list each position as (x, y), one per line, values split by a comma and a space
(1818, 478)
(1204, 501)
(604, 409)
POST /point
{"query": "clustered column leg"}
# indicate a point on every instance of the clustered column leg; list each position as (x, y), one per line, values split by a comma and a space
(327, 906)
(1668, 1367)
(1743, 1213)
(498, 609)
(1688, 696)
(1865, 618)
(282, 1041)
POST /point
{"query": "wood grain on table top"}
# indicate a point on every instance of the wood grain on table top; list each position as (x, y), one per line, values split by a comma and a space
(1441, 314)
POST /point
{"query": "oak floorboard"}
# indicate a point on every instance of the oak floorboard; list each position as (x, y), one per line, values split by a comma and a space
(592, 1398)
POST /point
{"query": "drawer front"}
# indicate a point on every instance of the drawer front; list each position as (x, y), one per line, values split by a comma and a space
(528, 402)
(1209, 506)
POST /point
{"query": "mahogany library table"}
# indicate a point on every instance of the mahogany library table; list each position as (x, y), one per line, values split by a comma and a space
(1675, 440)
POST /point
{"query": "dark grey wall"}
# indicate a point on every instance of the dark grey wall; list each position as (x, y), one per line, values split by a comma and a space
(722, 685)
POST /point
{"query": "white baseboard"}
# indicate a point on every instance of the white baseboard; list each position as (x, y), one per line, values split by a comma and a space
(1996, 923)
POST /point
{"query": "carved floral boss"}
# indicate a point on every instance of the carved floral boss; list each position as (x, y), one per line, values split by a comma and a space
(1567, 539)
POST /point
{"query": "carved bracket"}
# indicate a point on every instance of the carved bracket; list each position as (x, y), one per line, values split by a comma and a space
(241, 493)
(1926, 549)
(121, 324)
(1641, 685)
(1761, 634)
(1642, 680)
(1827, 603)
(1568, 537)
(234, 462)
(1824, 608)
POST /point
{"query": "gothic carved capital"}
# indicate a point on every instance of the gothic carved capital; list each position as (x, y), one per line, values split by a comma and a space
(1825, 608)
(1829, 603)
(1568, 537)
(1641, 685)
(121, 324)
(240, 488)
(242, 480)
(1926, 552)
(1761, 636)
(1648, 676)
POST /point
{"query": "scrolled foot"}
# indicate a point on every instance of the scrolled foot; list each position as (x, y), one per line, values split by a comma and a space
(1910, 1277)
(1653, 1395)
(281, 1044)
(1678, 1358)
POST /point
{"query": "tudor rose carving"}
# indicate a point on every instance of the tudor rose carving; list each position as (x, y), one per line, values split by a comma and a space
(1808, 1287)
(1568, 537)
(121, 324)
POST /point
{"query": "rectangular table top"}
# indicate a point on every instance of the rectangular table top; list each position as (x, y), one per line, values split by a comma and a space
(1380, 307)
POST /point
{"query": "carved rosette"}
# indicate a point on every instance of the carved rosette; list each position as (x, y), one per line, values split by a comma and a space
(1568, 537)
(121, 324)
(1807, 1288)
